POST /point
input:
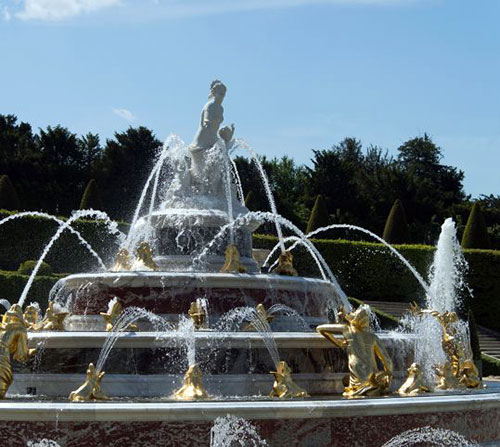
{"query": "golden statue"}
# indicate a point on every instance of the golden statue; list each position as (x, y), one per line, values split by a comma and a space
(13, 342)
(232, 263)
(469, 375)
(193, 385)
(31, 318)
(91, 388)
(198, 314)
(115, 309)
(445, 378)
(284, 387)
(123, 261)
(414, 384)
(144, 258)
(370, 367)
(285, 265)
(53, 321)
(262, 315)
(458, 371)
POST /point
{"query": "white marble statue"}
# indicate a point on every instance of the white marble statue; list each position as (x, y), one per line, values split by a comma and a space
(199, 177)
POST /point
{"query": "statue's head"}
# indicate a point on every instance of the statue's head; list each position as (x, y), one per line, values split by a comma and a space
(360, 318)
(14, 314)
(217, 89)
(415, 371)
(31, 314)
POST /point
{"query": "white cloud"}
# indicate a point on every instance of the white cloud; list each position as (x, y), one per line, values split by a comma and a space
(54, 10)
(6, 13)
(125, 114)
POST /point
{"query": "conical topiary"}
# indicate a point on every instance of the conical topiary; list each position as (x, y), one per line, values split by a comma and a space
(319, 215)
(396, 226)
(476, 234)
(251, 201)
(91, 197)
(9, 199)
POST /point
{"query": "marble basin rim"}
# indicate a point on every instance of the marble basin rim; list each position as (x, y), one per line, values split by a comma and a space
(36, 410)
(197, 279)
(83, 339)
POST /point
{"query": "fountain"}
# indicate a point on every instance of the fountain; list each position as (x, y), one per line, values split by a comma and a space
(183, 341)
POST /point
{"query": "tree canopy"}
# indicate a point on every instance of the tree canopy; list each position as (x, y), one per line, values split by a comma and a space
(51, 168)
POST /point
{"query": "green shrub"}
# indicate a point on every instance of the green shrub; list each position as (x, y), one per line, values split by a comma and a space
(12, 285)
(476, 232)
(25, 238)
(92, 197)
(9, 199)
(396, 227)
(27, 267)
(368, 271)
(319, 215)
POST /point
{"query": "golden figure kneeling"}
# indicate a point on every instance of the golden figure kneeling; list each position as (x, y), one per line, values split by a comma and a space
(285, 265)
(144, 258)
(91, 388)
(232, 263)
(414, 384)
(284, 387)
(370, 367)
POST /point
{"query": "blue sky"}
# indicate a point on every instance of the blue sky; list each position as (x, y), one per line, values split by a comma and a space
(301, 74)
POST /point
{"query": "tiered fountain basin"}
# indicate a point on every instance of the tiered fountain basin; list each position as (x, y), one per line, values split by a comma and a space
(293, 423)
(170, 293)
(152, 365)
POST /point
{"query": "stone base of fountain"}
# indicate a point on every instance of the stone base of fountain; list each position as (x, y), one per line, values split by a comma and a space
(302, 422)
(170, 293)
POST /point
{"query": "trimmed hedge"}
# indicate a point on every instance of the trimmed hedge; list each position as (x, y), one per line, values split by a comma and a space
(369, 272)
(12, 285)
(26, 238)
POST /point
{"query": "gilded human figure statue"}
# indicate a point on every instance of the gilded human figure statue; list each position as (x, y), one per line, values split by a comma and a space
(370, 367)
(13, 343)
(458, 371)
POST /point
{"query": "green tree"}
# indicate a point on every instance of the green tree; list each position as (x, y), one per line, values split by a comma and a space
(91, 198)
(476, 233)
(429, 188)
(63, 172)
(319, 215)
(396, 227)
(8, 196)
(124, 167)
(90, 149)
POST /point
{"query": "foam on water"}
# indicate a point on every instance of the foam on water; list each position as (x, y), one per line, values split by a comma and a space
(428, 437)
(232, 431)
